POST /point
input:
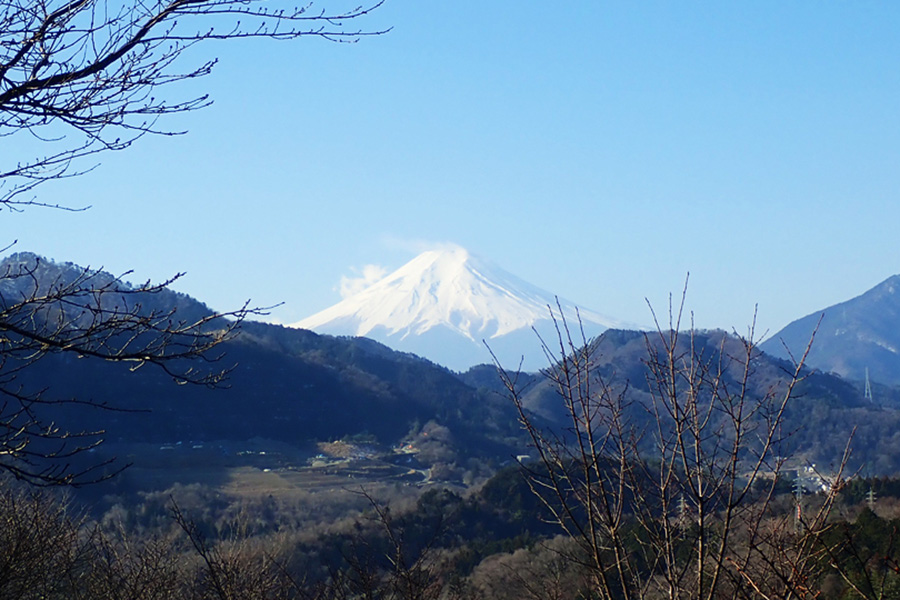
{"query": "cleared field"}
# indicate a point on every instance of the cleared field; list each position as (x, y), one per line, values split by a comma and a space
(258, 468)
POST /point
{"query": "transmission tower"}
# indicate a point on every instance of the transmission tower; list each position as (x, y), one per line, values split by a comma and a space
(868, 394)
(798, 498)
(684, 514)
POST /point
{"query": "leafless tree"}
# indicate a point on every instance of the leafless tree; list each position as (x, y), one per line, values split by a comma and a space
(232, 570)
(81, 77)
(78, 78)
(119, 566)
(668, 491)
(40, 545)
(48, 309)
(543, 572)
(383, 563)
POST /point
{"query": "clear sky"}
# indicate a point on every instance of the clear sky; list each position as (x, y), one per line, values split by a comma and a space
(599, 150)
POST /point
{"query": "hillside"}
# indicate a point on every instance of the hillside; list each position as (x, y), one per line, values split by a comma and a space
(853, 336)
(285, 385)
(826, 412)
(298, 389)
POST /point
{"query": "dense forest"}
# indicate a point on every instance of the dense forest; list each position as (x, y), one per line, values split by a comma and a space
(494, 541)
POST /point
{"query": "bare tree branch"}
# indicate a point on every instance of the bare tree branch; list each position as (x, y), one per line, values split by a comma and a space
(82, 77)
(669, 491)
(48, 309)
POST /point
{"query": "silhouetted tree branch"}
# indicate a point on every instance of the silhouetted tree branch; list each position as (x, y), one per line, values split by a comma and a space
(81, 77)
(48, 309)
(78, 78)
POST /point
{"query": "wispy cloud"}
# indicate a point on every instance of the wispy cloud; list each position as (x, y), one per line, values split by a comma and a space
(415, 245)
(364, 277)
(360, 280)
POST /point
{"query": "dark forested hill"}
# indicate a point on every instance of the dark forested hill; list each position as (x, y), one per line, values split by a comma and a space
(286, 385)
(826, 412)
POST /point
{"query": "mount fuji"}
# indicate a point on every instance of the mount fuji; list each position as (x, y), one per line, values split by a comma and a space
(449, 306)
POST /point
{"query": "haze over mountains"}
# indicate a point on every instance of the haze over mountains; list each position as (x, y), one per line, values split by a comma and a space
(447, 304)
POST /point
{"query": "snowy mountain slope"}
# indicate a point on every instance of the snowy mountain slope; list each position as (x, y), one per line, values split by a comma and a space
(445, 304)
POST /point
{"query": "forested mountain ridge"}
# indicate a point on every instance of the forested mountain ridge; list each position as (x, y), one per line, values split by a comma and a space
(26, 276)
(297, 387)
(286, 385)
(825, 413)
(853, 337)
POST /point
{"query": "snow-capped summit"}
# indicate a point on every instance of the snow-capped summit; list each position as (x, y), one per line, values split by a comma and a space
(446, 304)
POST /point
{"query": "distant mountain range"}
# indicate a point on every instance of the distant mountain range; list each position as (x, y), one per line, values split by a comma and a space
(297, 387)
(286, 385)
(450, 306)
(851, 337)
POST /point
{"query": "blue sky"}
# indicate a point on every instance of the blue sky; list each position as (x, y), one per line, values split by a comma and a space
(600, 150)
